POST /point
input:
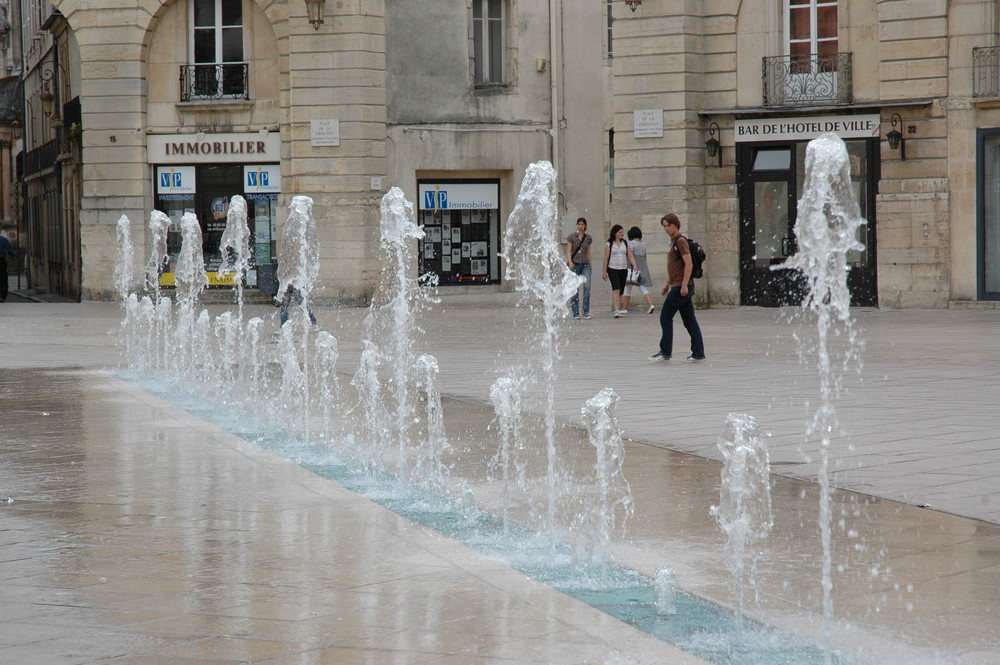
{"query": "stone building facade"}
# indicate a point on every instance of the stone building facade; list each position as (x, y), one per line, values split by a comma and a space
(186, 103)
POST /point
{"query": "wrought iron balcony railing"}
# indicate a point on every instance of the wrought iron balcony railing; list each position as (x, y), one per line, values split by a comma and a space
(792, 80)
(41, 158)
(986, 72)
(203, 82)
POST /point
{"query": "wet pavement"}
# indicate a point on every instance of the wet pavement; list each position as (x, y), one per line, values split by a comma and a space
(138, 533)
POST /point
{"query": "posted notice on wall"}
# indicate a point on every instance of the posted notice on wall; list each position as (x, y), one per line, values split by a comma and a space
(647, 123)
(325, 133)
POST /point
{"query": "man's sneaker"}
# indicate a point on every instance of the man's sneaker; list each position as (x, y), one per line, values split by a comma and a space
(692, 359)
(576, 317)
(650, 310)
(618, 314)
(659, 358)
(586, 316)
(623, 312)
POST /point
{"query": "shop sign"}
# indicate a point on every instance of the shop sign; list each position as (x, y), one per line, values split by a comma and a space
(454, 196)
(807, 127)
(213, 148)
(175, 180)
(263, 179)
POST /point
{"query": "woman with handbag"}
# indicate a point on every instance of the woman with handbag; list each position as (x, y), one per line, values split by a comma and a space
(617, 258)
(644, 281)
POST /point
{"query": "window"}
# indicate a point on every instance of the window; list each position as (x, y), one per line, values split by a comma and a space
(488, 41)
(811, 34)
(217, 68)
(609, 6)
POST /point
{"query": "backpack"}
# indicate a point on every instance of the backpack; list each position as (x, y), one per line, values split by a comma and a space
(697, 257)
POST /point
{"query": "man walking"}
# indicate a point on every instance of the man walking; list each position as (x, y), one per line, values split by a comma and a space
(679, 292)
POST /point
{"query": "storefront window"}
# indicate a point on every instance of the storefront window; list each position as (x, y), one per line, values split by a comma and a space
(462, 225)
(206, 191)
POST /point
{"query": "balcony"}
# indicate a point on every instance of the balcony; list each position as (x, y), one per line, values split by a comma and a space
(792, 80)
(215, 82)
(986, 72)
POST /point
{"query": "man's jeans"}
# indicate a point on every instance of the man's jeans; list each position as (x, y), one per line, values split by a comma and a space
(581, 269)
(673, 303)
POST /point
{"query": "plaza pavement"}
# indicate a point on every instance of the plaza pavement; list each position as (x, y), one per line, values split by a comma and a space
(137, 533)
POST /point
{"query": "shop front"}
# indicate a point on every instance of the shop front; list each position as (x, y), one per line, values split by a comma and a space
(200, 173)
(770, 171)
(461, 220)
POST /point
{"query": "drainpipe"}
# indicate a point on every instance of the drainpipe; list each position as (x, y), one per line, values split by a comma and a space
(555, 67)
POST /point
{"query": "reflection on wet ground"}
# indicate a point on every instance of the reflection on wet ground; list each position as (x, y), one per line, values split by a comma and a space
(134, 532)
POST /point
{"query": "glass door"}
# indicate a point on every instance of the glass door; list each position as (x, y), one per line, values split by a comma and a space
(988, 222)
(767, 210)
(771, 181)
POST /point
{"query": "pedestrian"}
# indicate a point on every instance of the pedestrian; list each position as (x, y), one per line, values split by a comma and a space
(617, 258)
(6, 249)
(292, 296)
(679, 292)
(638, 248)
(578, 259)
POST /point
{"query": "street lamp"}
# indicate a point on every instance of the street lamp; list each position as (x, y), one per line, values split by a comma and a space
(712, 145)
(895, 137)
(315, 9)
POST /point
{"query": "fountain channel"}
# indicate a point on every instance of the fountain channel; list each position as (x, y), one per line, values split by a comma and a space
(381, 432)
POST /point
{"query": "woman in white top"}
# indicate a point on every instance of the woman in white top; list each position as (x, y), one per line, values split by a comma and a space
(617, 258)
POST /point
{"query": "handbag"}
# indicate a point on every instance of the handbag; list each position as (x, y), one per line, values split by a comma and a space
(634, 277)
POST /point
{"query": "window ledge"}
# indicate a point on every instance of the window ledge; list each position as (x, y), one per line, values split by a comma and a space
(491, 89)
(986, 102)
(214, 105)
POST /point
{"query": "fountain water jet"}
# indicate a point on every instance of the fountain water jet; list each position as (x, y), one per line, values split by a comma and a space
(190, 280)
(744, 510)
(612, 490)
(235, 247)
(505, 394)
(126, 257)
(388, 359)
(158, 226)
(826, 230)
(536, 264)
(298, 271)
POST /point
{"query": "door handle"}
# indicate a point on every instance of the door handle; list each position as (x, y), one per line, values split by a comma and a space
(785, 246)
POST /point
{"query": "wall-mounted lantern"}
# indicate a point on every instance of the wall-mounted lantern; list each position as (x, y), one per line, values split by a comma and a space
(712, 145)
(633, 4)
(895, 137)
(46, 96)
(315, 9)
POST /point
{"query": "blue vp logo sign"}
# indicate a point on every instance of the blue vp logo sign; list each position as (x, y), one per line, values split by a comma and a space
(436, 200)
(171, 180)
